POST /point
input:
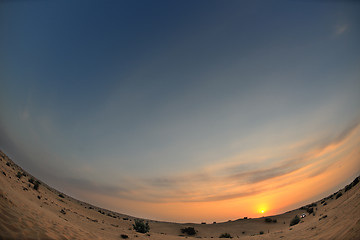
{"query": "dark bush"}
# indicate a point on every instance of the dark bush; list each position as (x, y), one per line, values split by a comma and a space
(261, 232)
(124, 236)
(8, 164)
(140, 226)
(63, 211)
(356, 181)
(189, 231)
(36, 185)
(62, 196)
(19, 175)
(225, 235)
(295, 220)
(31, 180)
(338, 195)
(203, 223)
(310, 210)
(268, 220)
(274, 220)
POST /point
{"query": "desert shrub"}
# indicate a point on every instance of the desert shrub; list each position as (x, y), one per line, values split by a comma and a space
(189, 231)
(19, 175)
(295, 220)
(124, 236)
(36, 185)
(245, 218)
(8, 164)
(310, 210)
(140, 226)
(214, 222)
(348, 187)
(62, 196)
(261, 232)
(338, 195)
(203, 223)
(31, 180)
(356, 181)
(63, 211)
(268, 220)
(274, 220)
(225, 235)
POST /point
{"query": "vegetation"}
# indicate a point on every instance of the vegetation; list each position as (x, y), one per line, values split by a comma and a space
(270, 220)
(19, 175)
(225, 235)
(261, 232)
(189, 231)
(338, 195)
(124, 236)
(140, 226)
(31, 180)
(36, 185)
(61, 195)
(295, 220)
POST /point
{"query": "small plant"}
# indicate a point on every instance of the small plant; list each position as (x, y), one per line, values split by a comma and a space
(268, 220)
(274, 220)
(189, 231)
(36, 185)
(338, 195)
(310, 210)
(31, 180)
(19, 175)
(62, 196)
(261, 232)
(124, 236)
(8, 164)
(225, 235)
(295, 220)
(63, 211)
(140, 226)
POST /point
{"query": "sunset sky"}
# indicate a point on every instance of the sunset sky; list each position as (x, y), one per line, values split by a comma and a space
(183, 111)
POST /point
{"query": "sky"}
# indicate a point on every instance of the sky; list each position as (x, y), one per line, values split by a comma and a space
(185, 111)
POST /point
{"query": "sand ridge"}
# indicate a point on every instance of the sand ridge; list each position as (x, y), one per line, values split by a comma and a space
(30, 212)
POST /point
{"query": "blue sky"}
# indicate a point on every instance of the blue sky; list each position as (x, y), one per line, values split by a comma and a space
(145, 99)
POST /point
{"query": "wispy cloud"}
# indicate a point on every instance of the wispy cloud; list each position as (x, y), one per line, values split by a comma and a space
(227, 182)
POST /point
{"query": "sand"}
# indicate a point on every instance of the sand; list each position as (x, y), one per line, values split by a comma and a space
(45, 213)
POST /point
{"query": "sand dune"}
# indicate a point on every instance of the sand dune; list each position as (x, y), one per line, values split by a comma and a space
(33, 210)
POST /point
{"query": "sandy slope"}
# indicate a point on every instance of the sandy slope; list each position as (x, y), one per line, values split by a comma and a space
(26, 213)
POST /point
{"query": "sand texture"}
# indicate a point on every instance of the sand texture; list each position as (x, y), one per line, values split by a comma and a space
(45, 213)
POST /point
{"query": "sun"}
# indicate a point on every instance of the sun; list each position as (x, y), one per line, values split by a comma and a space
(262, 210)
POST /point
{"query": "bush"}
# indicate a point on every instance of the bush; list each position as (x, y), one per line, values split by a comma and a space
(36, 185)
(31, 180)
(225, 235)
(338, 195)
(295, 220)
(140, 226)
(189, 231)
(274, 220)
(124, 236)
(268, 220)
(310, 210)
(356, 181)
(62, 196)
(19, 175)
(261, 232)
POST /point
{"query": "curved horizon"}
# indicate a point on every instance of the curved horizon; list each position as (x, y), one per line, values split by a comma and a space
(183, 111)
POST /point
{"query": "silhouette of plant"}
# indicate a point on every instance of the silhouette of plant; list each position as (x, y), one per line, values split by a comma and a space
(140, 226)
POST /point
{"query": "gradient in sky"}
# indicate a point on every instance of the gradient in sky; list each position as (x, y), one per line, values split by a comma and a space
(183, 110)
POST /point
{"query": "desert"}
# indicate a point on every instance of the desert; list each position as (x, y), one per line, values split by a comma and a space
(30, 209)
